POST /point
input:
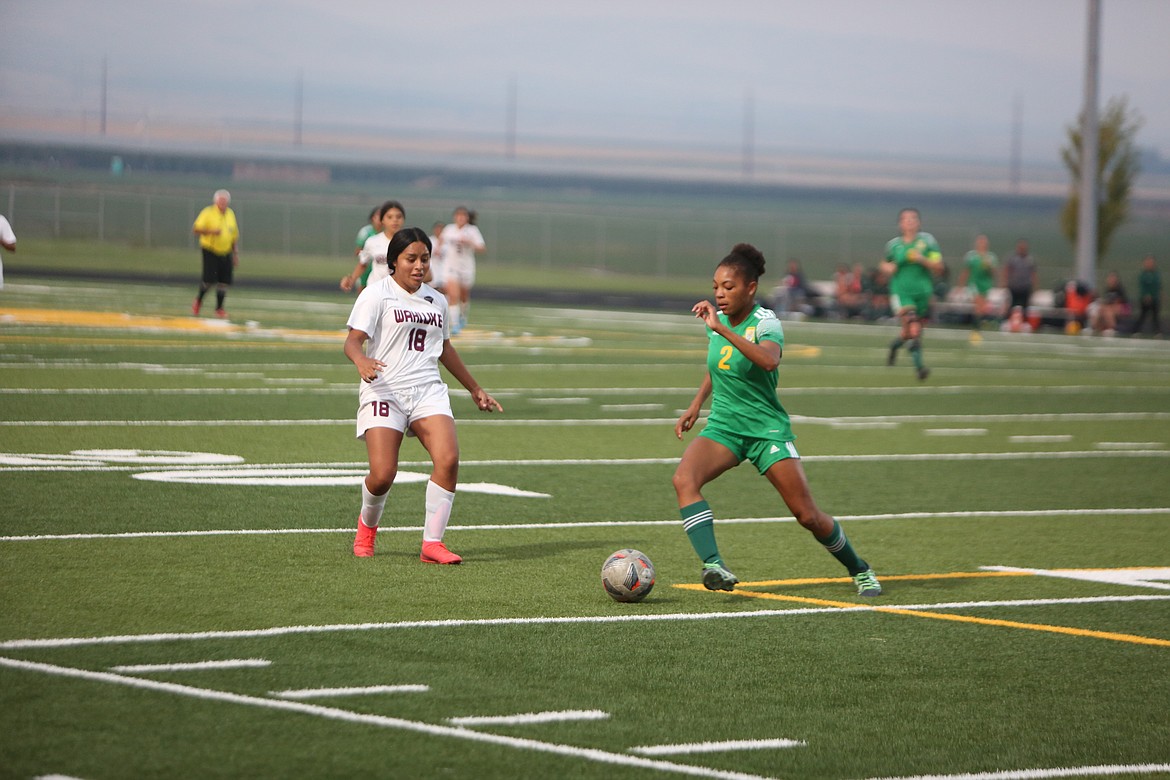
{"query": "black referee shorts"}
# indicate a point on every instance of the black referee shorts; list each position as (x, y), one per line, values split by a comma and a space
(217, 269)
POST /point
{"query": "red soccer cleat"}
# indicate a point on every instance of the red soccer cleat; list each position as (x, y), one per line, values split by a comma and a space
(363, 543)
(221, 314)
(195, 307)
(437, 552)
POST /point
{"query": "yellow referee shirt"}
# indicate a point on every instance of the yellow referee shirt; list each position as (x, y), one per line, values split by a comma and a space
(211, 218)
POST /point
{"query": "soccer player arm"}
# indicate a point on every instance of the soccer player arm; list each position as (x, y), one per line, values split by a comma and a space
(367, 367)
(687, 419)
(453, 363)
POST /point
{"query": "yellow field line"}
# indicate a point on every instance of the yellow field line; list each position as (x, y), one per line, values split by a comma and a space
(1132, 638)
(954, 575)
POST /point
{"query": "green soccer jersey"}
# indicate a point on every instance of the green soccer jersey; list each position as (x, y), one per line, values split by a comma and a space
(743, 395)
(913, 277)
(362, 235)
(981, 270)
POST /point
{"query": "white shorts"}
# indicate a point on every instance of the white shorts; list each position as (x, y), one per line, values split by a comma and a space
(460, 271)
(403, 408)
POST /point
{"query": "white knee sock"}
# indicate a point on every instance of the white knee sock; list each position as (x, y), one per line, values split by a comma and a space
(372, 506)
(439, 503)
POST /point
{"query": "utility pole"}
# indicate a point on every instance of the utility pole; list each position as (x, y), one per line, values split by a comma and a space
(105, 83)
(510, 121)
(1017, 144)
(749, 134)
(1090, 138)
(299, 109)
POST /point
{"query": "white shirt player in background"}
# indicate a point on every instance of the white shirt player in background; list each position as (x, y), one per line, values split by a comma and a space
(8, 241)
(438, 278)
(461, 240)
(392, 216)
(407, 326)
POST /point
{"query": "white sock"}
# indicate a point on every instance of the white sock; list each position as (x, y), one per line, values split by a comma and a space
(439, 503)
(372, 506)
(453, 313)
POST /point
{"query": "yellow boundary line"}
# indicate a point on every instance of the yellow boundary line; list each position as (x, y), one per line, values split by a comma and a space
(1070, 631)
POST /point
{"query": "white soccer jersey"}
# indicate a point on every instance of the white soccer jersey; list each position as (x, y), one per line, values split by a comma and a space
(374, 251)
(406, 333)
(459, 245)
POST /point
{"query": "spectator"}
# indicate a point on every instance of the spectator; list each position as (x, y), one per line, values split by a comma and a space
(793, 292)
(1149, 296)
(1076, 299)
(1019, 276)
(850, 299)
(1016, 323)
(876, 289)
(1111, 306)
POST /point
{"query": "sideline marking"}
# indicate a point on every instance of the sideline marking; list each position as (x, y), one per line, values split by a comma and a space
(1111, 512)
(236, 663)
(254, 633)
(315, 693)
(1042, 774)
(717, 747)
(952, 575)
(527, 718)
(332, 713)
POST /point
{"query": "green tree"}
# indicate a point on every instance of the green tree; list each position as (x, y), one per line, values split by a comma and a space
(1118, 164)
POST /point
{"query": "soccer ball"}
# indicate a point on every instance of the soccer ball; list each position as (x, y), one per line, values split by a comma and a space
(627, 575)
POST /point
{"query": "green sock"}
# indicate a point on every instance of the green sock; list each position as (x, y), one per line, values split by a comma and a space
(699, 524)
(837, 544)
(896, 344)
(916, 352)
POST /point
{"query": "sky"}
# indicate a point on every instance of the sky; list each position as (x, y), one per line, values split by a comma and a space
(916, 78)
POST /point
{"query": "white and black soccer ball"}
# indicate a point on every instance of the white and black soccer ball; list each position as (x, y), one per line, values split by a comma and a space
(627, 575)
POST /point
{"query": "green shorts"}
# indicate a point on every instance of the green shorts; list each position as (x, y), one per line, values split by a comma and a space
(763, 453)
(919, 300)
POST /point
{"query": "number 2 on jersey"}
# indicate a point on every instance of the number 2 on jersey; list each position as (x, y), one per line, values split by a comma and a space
(725, 353)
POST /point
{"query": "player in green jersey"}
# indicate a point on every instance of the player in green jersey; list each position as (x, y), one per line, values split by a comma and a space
(912, 260)
(747, 422)
(979, 268)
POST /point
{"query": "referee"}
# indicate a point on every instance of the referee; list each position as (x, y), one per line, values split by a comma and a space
(219, 236)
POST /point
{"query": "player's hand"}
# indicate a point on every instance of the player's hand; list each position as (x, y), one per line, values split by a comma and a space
(346, 283)
(706, 311)
(368, 368)
(485, 402)
(685, 422)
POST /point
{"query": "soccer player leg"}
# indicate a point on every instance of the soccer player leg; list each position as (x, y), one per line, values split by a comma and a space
(380, 424)
(786, 474)
(705, 458)
(896, 344)
(435, 429)
(914, 325)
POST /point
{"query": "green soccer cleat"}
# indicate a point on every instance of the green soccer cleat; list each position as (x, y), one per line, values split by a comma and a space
(715, 577)
(867, 584)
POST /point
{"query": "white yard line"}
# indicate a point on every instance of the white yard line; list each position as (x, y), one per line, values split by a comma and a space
(332, 713)
(27, 644)
(529, 718)
(195, 666)
(717, 747)
(1106, 512)
(369, 690)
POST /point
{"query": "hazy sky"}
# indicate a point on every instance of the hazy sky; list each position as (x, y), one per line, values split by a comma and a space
(918, 77)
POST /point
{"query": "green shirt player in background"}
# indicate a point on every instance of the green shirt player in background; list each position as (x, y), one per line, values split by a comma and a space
(747, 422)
(979, 268)
(911, 262)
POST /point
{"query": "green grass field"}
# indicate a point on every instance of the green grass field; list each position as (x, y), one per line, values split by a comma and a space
(180, 598)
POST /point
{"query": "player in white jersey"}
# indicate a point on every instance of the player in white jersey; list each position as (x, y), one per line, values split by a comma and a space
(461, 240)
(372, 255)
(405, 322)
